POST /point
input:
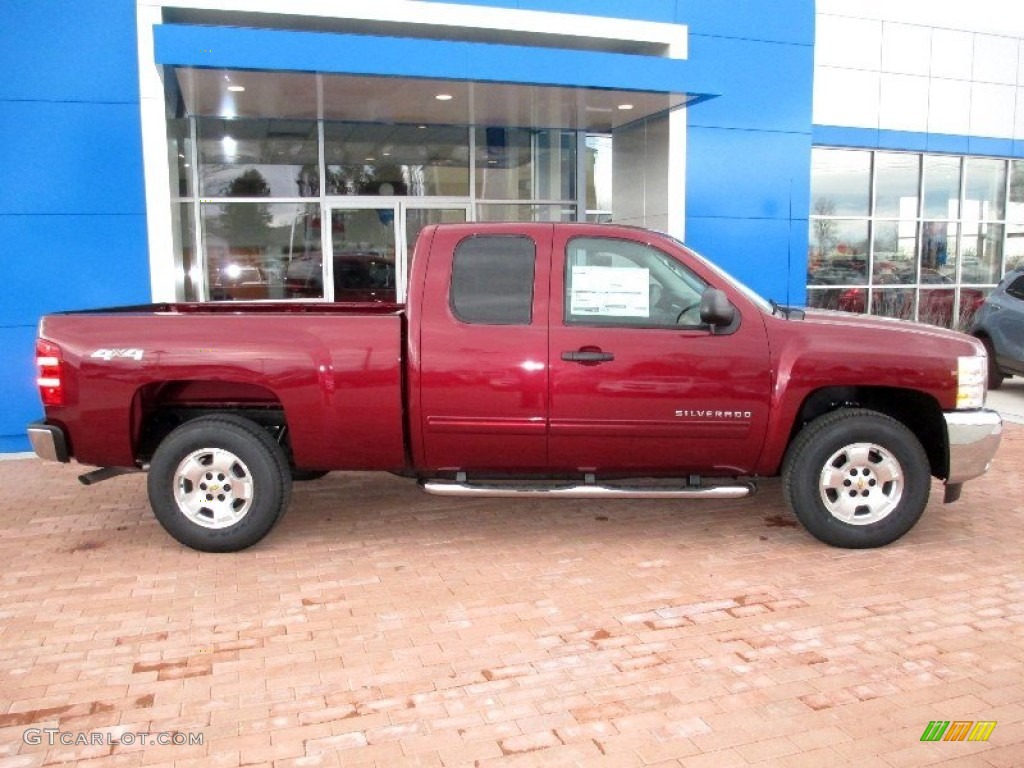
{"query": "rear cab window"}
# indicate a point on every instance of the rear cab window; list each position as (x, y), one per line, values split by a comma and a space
(492, 280)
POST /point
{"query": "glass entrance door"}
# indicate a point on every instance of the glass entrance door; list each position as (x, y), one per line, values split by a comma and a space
(369, 244)
(361, 244)
(416, 216)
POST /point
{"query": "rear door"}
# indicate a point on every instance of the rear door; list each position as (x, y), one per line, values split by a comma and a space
(637, 383)
(481, 373)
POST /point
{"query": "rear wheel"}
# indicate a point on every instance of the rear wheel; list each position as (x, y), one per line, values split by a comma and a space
(856, 478)
(219, 483)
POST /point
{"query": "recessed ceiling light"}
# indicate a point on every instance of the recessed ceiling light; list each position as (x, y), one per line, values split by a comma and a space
(625, 106)
(444, 97)
(370, 159)
(236, 88)
(421, 127)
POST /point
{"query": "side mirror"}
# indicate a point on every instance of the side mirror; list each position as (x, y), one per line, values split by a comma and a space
(715, 309)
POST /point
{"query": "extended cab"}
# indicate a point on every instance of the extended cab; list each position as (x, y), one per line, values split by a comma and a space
(555, 360)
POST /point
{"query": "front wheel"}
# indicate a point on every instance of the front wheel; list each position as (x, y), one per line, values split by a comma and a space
(219, 483)
(856, 478)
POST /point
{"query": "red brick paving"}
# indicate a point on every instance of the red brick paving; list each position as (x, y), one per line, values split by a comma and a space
(380, 626)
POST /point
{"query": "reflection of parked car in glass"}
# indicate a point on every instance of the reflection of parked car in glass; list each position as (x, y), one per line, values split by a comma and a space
(236, 279)
(999, 324)
(934, 305)
(359, 276)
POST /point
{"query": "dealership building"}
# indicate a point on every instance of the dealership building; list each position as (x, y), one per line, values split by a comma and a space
(850, 154)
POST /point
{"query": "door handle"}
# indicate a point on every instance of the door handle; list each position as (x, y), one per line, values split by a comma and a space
(581, 356)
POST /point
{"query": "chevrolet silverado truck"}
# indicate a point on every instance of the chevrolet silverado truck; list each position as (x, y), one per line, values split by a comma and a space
(544, 360)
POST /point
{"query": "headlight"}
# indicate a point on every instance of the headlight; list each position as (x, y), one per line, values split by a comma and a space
(971, 381)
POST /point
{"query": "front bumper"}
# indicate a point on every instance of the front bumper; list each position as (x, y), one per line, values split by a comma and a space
(48, 441)
(973, 437)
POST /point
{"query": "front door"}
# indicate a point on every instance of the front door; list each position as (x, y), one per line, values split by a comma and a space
(636, 381)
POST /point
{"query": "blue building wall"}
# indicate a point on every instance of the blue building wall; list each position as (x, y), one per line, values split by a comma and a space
(72, 211)
(72, 207)
(749, 151)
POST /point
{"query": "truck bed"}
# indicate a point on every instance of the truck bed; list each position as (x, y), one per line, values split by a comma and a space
(333, 370)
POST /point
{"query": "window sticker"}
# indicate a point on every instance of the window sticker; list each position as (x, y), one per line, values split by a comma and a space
(610, 292)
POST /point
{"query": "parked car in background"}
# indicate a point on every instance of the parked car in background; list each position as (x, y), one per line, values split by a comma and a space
(999, 324)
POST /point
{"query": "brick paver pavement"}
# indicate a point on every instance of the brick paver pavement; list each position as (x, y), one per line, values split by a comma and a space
(378, 625)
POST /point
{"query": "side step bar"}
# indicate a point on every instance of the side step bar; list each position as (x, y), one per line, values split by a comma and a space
(586, 491)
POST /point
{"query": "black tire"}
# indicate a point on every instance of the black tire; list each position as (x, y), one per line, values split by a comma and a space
(219, 450)
(305, 475)
(995, 376)
(856, 478)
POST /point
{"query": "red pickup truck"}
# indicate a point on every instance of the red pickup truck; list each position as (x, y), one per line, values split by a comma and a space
(553, 360)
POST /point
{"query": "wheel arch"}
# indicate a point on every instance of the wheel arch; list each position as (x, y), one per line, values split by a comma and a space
(160, 407)
(919, 412)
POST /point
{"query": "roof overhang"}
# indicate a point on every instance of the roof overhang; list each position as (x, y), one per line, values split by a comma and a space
(300, 74)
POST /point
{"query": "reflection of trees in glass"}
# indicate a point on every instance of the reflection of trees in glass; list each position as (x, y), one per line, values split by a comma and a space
(1016, 182)
(361, 179)
(244, 224)
(825, 229)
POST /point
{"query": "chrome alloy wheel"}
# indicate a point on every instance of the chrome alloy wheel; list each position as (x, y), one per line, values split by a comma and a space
(861, 483)
(213, 488)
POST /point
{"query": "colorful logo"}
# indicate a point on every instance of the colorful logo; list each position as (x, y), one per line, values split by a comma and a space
(958, 730)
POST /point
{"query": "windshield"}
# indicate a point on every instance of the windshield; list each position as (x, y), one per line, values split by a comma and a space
(763, 304)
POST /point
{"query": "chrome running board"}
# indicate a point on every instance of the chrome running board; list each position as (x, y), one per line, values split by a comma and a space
(586, 491)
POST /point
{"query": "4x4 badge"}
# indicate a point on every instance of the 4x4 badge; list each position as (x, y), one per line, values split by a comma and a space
(132, 353)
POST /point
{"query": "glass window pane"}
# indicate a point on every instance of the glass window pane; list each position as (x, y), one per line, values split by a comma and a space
(258, 158)
(179, 155)
(492, 280)
(424, 160)
(895, 252)
(521, 212)
(971, 300)
(363, 250)
(1015, 207)
(418, 218)
(838, 252)
(984, 190)
(621, 283)
(525, 164)
(893, 302)
(938, 252)
(842, 299)
(935, 306)
(188, 273)
(1014, 247)
(598, 168)
(896, 184)
(252, 247)
(981, 252)
(840, 182)
(1016, 288)
(941, 187)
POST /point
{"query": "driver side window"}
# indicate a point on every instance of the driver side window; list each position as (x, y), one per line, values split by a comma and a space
(626, 284)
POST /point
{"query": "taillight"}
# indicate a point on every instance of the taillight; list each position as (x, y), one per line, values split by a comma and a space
(50, 380)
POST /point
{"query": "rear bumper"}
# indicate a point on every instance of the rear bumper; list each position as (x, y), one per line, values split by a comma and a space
(973, 439)
(48, 441)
